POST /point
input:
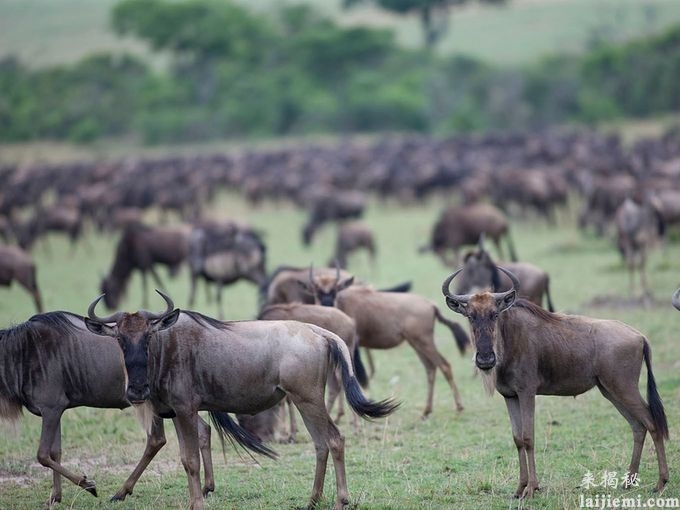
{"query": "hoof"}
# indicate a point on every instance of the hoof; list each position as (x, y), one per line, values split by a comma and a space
(89, 485)
(207, 491)
(119, 496)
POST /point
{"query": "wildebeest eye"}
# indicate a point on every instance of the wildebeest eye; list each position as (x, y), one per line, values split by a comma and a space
(494, 316)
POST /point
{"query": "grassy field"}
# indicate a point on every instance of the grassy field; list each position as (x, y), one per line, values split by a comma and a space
(44, 32)
(453, 460)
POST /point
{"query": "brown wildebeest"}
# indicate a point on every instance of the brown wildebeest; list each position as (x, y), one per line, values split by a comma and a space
(480, 272)
(386, 319)
(333, 320)
(184, 362)
(524, 351)
(676, 299)
(352, 236)
(51, 363)
(462, 225)
(16, 264)
(283, 285)
(225, 253)
(140, 247)
(638, 225)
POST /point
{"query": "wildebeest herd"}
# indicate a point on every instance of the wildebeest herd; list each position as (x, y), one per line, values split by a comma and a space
(315, 324)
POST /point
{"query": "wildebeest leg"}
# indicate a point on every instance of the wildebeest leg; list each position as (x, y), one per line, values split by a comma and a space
(156, 278)
(206, 454)
(326, 436)
(293, 421)
(51, 423)
(369, 356)
(333, 392)
(186, 425)
(155, 440)
(514, 412)
(527, 406)
(634, 409)
(430, 370)
(220, 312)
(55, 453)
(192, 289)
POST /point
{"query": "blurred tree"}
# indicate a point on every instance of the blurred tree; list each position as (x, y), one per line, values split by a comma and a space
(434, 14)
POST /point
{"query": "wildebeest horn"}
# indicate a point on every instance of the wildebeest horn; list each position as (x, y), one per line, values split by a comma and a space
(480, 242)
(447, 291)
(337, 272)
(311, 273)
(676, 299)
(111, 318)
(168, 302)
(513, 279)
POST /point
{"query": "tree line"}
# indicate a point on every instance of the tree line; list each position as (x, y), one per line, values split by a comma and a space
(235, 74)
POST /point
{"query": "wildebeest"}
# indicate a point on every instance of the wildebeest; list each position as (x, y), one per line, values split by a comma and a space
(224, 253)
(480, 272)
(16, 264)
(332, 205)
(333, 320)
(283, 285)
(676, 299)
(141, 247)
(524, 351)
(51, 363)
(181, 362)
(386, 319)
(638, 225)
(462, 225)
(352, 235)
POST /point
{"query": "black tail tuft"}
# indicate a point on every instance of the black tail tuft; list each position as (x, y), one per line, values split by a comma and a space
(461, 337)
(364, 407)
(653, 399)
(238, 435)
(360, 369)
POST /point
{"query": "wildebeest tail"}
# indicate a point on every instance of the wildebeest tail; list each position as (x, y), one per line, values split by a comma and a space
(653, 399)
(238, 435)
(364, 407)
(459, 334)
(360, 369)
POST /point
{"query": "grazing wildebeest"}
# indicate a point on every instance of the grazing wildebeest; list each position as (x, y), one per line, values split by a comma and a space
(524, 351)
(16, 264)
(225, 253)
(332, 205)
(184, 362)
(51, 363)
(676, 299)
(352, 236)
(638, 226)
(140, 247)
(386, 319)
(462, 225)
(480, 272)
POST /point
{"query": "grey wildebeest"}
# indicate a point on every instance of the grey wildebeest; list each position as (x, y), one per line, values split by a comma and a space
(480, 272)
(386, 319)
(352, 236)
(181, 362)
(638, 226)
(331, 205)
(225, 253)
(462, 225)
(16, 264)
(523, 350)
(52, 363)
(141, 247)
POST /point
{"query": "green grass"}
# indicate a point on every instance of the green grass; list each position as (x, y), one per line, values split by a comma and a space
(45, 32)
(453, 460)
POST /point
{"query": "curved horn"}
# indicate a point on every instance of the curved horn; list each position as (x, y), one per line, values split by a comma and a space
(337, 272)
(311, 273)
(169, 308)
(446, 290)
(111, 318)
(513, 279)
(676, 299)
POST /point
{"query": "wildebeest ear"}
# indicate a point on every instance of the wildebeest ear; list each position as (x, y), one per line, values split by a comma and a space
(457, 306)
(345, 284)
(166, 321)
(99, 328)
(506, 301)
